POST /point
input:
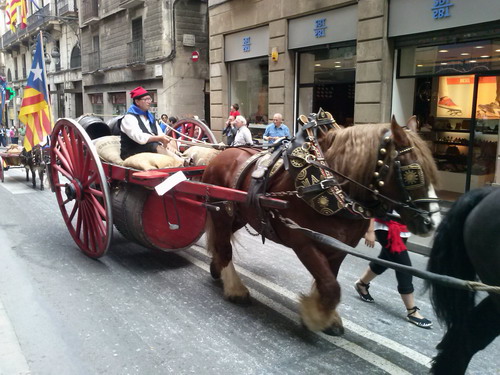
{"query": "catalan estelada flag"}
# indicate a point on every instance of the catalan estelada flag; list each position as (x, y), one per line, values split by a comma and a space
(35, 109)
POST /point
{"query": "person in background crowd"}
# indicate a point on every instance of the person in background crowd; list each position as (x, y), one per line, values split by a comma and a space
(276, 130)
(139, 130)
(392, 236)
(230, 130)
(172, 120)
(163, 122)
(3, 141)
(14, 135)
(243, 136)
(22, 133)
(234, 110)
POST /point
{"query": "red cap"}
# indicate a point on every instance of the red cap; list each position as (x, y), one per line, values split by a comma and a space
(138, 92)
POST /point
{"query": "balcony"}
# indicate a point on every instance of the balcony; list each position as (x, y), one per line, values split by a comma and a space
(90, 11)
(38, 18)
(94, 60)
(131, 3)
(66, 8)
(136, 52)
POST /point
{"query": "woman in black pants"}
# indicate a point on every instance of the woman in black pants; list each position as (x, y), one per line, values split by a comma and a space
(392, 236)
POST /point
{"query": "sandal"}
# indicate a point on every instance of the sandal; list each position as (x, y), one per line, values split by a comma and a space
(364, 297)
(419, 322)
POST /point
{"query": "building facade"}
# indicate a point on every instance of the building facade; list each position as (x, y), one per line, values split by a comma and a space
(160, 45)
(364, 61)
(58, 22)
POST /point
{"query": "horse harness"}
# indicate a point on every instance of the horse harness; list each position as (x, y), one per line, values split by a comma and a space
(316, 183)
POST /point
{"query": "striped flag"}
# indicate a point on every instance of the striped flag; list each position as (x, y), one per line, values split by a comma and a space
(23, 21)
(11, 10)
(35, 110)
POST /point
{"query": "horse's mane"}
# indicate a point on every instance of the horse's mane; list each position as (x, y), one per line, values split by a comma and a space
(353, 151)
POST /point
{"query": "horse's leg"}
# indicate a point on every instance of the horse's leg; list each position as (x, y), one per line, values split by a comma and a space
(27, 174)
(33, 176)
(457, 347)
(219, 232)
(317, 310)
(40, 174)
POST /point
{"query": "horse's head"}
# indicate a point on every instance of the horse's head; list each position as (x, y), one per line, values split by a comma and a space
(410, 174)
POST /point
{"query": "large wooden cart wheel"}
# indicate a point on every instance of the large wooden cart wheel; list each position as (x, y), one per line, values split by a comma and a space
(81, 188)
(1, 170)
(190, 130)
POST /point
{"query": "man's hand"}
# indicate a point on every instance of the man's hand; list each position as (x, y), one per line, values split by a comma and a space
(162, 138)
(370, 238)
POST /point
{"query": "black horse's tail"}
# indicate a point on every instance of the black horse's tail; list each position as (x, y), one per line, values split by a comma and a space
(449, 257)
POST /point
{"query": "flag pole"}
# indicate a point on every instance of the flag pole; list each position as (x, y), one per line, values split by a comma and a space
(46, 80)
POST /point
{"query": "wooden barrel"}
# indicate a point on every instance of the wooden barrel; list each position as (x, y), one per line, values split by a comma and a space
(170, 222)
(94, 126)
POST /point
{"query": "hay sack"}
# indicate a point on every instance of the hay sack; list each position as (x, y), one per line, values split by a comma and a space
(200, 155)
(146, 161)
(108, 149)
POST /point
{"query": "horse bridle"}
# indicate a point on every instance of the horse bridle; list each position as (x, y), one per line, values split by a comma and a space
(405, 183)
(409, 177)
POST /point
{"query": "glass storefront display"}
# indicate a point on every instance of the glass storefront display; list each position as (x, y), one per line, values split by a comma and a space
(249, 88)
(457, 102)
(96, 100)
(327, 80)
(118, 102)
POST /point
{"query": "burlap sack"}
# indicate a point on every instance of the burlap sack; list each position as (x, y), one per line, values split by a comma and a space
(14, 149)
(200, 155)
(108, 149)
(146, 161)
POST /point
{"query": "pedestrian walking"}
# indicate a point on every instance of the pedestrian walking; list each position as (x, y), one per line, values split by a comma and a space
(392, 236)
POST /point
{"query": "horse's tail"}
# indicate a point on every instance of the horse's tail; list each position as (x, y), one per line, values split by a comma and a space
(449, 257)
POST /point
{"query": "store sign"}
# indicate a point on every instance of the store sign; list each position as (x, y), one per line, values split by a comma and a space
(246, 44)
(441, 9)
(320, 28)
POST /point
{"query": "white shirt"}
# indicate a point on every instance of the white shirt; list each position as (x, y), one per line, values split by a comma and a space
(130, 126)
(243, 137)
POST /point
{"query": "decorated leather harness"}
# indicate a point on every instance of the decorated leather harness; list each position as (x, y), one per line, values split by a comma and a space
(316, 183)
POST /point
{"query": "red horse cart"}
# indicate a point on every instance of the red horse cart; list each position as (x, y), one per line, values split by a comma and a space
(93, 195)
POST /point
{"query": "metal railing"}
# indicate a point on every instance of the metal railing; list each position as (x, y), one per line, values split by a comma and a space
(65, 6)
(37, 19)
(94, 60)
(136, 52)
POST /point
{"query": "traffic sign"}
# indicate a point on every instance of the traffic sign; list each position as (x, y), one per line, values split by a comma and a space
(195, 56)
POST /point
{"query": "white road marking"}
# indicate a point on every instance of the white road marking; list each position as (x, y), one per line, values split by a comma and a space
(12, 359)
(338, 341)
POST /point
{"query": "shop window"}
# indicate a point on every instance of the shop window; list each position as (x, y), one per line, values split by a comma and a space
(154, 104)
(118, 102)
(96, 100)
(459, 58)
(327, 80)
(249, 88)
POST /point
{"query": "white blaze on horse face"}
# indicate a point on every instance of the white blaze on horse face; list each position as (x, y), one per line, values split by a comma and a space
(434, 207)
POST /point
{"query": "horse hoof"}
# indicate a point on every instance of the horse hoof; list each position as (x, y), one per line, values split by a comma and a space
(334, 331)
(214, 272)
(240, 300)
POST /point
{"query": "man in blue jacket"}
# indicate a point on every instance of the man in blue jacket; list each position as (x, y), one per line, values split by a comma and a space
(276, 130)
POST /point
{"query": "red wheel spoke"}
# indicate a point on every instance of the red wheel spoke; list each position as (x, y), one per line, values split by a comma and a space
(73, 212)
(64, 172)
(91, 180)
(64, 161)
(99, 220)
(79, 220)
(95, 192)
(62, 150)
(68, 146)
(86, 164)
(94, 233)
(98, 206)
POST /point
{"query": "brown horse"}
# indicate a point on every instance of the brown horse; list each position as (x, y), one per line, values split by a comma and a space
(353, 151)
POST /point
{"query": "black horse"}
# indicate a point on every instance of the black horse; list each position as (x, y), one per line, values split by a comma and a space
(467, 246)
(34, 162)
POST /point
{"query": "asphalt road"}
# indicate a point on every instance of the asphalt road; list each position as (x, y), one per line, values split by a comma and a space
(137, 311)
